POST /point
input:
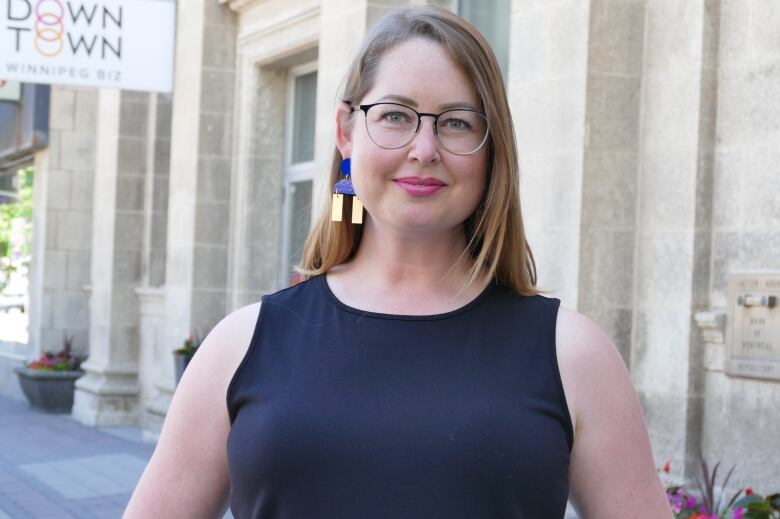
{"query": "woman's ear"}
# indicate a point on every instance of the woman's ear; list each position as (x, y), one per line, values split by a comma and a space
(344, 129)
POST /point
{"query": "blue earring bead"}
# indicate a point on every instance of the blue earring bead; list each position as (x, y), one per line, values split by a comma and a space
(344, 187)
(346, 166)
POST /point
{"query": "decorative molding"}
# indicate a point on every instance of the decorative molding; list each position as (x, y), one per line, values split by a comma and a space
(713, 325)
(279, 24)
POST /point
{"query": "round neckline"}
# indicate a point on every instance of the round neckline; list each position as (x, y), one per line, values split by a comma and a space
(322, 279)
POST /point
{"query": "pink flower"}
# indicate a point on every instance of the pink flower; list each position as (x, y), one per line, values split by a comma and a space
(739, 513)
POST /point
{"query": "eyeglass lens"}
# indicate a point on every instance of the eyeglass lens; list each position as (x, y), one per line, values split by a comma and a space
(459, 131)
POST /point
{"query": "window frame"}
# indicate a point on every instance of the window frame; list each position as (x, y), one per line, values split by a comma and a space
(293, 173)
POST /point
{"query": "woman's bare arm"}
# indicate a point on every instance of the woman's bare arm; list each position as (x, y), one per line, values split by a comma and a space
(187, 476)
(612, 472)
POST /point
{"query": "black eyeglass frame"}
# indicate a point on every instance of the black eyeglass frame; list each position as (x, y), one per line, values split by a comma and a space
(420, 115)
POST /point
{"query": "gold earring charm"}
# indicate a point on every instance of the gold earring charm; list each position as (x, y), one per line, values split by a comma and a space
(357, 210)
(337, 207)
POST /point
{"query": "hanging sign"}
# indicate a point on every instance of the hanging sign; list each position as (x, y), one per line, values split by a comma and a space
(125, 44)
(10, 90)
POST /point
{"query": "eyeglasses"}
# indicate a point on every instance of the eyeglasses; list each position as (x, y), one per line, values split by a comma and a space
(391, 125)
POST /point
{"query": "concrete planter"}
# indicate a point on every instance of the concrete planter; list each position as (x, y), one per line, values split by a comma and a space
(49, 391)
(180, 362)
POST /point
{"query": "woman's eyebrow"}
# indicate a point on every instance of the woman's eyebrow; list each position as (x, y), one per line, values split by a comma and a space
(412, 103)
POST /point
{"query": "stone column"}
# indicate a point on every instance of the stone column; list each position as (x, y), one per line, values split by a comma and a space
(198, 202)
(740, 418)
(547, 87)
(62, 224)
(108, 394)
(676, 141)
(610, 166)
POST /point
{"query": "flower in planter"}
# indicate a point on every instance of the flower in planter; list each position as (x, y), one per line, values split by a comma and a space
(63, 360)
(744, 504)
(190, 345)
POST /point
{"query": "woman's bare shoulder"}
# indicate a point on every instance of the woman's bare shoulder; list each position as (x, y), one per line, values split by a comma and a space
(229, 340)
(188, 473)
(585, 354)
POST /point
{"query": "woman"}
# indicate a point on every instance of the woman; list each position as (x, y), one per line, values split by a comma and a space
(416, 372)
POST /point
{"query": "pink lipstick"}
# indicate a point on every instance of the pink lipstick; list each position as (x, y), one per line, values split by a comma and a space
(417, 186)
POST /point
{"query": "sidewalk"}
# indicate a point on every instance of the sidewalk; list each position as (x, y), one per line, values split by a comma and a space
(53, 467)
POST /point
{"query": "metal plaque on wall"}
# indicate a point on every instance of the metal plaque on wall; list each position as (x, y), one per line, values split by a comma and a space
(753, 344)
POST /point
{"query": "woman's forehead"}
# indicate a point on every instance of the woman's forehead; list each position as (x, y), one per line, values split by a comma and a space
(423, 72)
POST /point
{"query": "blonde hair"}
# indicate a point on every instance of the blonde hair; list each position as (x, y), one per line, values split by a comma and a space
(496, 243)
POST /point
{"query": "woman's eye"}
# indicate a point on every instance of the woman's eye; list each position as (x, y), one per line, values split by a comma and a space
(395, 117)
(456, 124)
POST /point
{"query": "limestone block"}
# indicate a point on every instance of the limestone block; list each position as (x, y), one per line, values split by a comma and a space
(670, 27)
(208, 308)
(131, 156)
(659, 356)
(217, 100)
(734, 31)
(668, 187)
(616, 268)
(219, 51)
(211, 221)
(612, 113)
(64, 99)
(78, 269)
(77, 151)
(46, 309)
(616, 37)
(134, 117)
(749, 103)
(129, 227)
(670, 103)
(210, 267)
(609, 189)
(556, 253)
(58, 189)
(761, 188)
(130, 193)
(53, 157)
(550, 190)
(161, 193)
(214, 182)
(70, 310)
(664, 259)
(51, 340)
(729, 171)
(127, 267)
(215, 135)
(731, 403)
(86, 110)
(548, 117)
(74, 231)
(81, 189)
(665, 416)
(764, 36)
(125, 333)
(760, 249)
(528, 45)
(54, 269)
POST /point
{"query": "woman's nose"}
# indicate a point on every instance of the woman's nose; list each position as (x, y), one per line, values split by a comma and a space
(425, 145)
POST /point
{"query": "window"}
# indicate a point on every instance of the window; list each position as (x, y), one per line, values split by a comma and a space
(492, 19)
(299, 168)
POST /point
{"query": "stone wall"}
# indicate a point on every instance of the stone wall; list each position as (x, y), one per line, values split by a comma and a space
(740, 418)
(62, 223)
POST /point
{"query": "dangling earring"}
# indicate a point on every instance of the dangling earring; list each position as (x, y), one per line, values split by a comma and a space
(344, 187)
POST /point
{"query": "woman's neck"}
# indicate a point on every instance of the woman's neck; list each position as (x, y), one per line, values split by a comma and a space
(406, 273)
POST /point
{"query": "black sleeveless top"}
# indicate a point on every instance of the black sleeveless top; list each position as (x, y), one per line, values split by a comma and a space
(341, 413)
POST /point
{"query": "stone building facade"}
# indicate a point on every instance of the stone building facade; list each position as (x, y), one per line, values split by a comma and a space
(649, 137)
